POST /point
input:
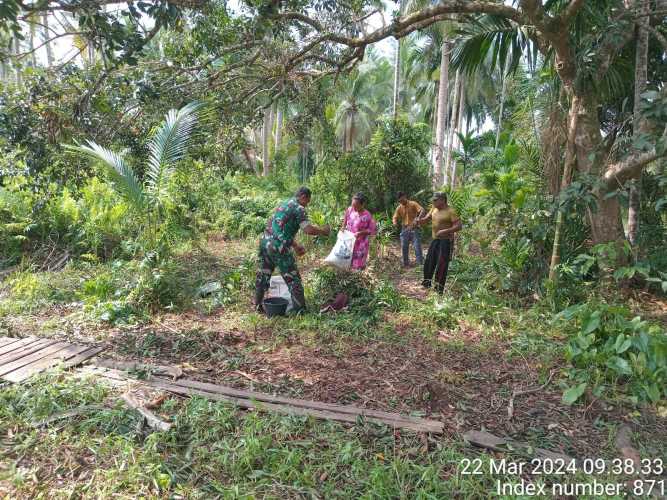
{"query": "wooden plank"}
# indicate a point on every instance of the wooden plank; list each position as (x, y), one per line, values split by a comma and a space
(25, 351)
(150, 418)
(424, 426)
(412, 423)
(7, 340)
(36, 356)
(173, 371)
(18, 344)
(80, 358)
(15, 343)
(301, 403)
(45, 363)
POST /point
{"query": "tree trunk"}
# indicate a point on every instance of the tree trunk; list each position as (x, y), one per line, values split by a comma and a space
(397, 79)
(570, 159)
(47, 43)
(459, 127)
(279, 128)
(351, 132)
(502, 108)
(605, 220)
(434, 119)
(266, 133)
(639, 125)
(442, 109)
(252, 162)
(17, 68)
(452, 126)
(31, 43)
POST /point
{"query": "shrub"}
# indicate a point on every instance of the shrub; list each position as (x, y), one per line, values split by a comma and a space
(395, 160)
(608, 346)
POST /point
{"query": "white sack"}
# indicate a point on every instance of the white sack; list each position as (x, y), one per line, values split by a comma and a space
(341, 254)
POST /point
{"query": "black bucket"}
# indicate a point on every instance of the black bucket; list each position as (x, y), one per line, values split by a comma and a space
(275, 306)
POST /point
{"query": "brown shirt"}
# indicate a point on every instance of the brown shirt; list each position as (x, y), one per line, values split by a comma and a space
(408, 213)
(442, 219)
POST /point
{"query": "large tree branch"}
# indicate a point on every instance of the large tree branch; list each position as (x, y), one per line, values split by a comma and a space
(46, 42)
(617, 174)
(404, 25)
(50, 6)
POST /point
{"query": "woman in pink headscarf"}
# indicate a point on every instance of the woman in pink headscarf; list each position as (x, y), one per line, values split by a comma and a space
(359, 221)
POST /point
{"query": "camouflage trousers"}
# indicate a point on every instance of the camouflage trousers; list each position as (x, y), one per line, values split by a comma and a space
(268, 260)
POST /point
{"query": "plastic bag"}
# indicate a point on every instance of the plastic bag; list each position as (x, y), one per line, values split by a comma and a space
(278, 288)
(341, 254)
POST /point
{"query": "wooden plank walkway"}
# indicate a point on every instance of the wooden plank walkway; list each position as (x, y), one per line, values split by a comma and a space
(20, 359)
(268, 402)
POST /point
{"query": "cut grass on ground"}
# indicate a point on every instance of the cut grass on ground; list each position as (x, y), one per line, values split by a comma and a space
(457, 359)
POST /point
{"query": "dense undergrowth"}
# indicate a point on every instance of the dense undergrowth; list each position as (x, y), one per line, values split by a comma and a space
(86, 254)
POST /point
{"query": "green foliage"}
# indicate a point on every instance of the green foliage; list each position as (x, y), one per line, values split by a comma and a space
(28, 292)
(608, 346)
(603, 259)
(247, 203)
(167, 146)
(503, 191)
(367, 296)
(395, 160)
(92, 221)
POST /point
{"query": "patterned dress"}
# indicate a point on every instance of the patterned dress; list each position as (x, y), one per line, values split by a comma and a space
(275, 250)
(360, 221)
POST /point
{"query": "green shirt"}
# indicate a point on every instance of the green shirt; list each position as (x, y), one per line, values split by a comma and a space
(283, 225)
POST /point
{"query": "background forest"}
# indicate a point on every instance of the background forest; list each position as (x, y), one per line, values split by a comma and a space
(145, 144)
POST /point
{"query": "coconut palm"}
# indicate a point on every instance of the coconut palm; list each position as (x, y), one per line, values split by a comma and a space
(363, 99)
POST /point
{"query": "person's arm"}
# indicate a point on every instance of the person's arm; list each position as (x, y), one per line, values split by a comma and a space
(372, 227)
(298, 248)
(421, 211)
(343, 225)
(370, 230)
(423, 219)
(312, 230)
(394, 219)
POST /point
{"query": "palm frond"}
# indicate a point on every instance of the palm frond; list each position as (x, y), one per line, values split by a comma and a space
(120, 173)
(494, 38)
(167, 146)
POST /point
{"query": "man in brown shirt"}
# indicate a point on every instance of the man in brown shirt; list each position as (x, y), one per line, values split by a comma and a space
(407, 212)
(445, 223)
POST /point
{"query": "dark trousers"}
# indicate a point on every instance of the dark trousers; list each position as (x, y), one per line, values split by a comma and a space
(437, 262)
(286, 264)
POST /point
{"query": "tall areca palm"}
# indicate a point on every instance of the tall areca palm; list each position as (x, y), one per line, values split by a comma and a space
(166, 147)
(398, 59)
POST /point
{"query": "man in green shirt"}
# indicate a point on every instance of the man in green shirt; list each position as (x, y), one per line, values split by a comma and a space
(277, 243)
(445, 223)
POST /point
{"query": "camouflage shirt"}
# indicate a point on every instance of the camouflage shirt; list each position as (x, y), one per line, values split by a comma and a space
(283, 226)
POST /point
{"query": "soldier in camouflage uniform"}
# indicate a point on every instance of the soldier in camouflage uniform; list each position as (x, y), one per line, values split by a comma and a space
(277, 247)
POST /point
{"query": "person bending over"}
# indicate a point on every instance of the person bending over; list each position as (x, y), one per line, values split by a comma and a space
(445, 223)
(277, 247)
